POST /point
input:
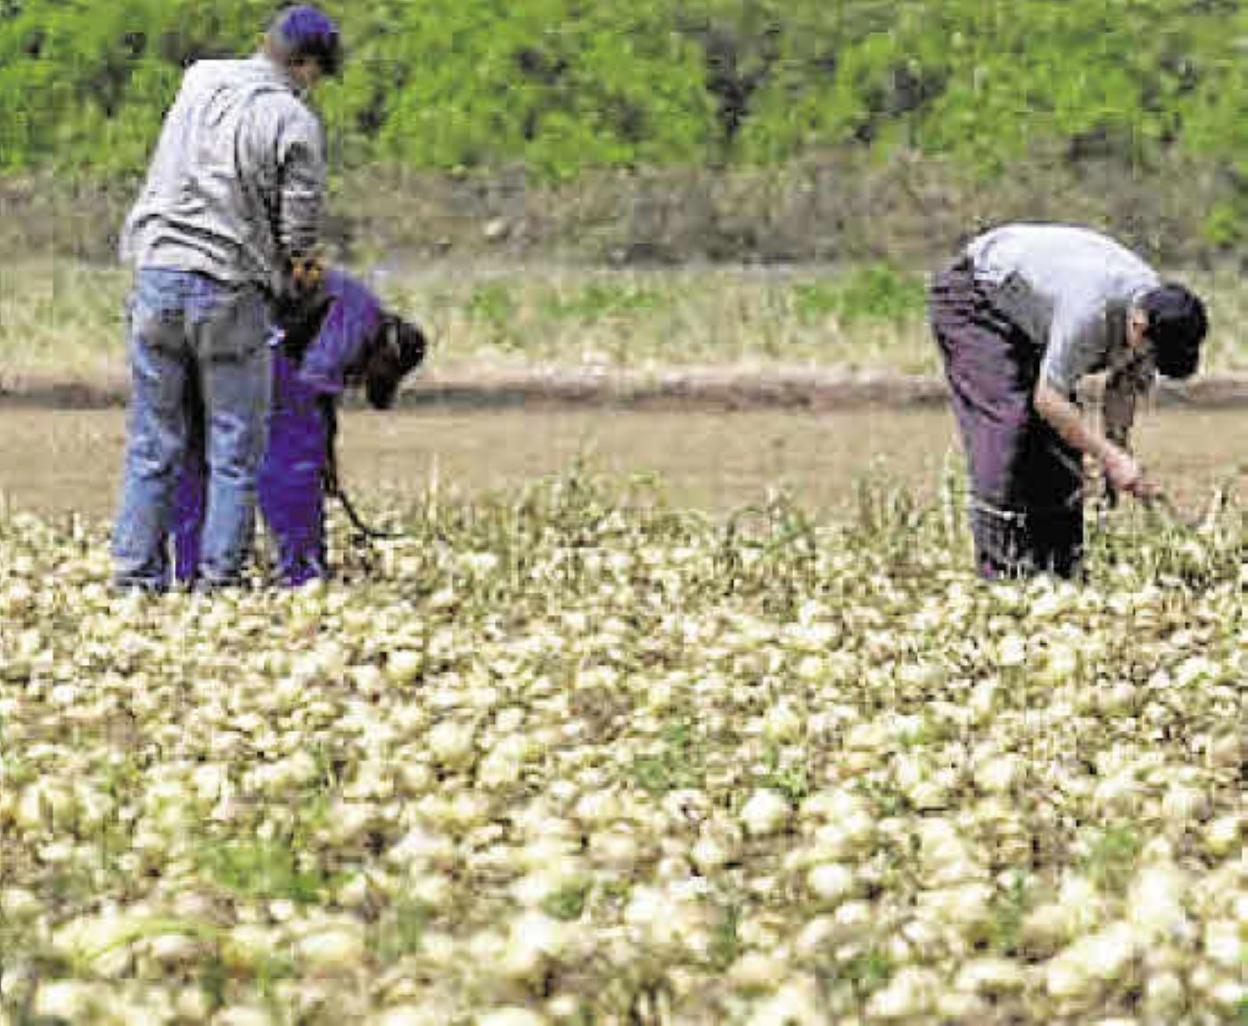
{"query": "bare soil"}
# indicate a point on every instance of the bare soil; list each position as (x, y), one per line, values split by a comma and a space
(65, 461)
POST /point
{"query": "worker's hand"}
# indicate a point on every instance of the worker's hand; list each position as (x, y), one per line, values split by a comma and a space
(1126, 475)
(307, 272)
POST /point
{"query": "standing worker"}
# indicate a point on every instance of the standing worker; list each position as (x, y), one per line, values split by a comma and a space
(1024, 313)
(228, 219)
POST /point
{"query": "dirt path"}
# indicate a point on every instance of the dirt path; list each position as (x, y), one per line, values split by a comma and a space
(677, 389)
(61, 461)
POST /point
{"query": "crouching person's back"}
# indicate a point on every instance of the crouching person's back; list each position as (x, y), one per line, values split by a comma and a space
(326, 343)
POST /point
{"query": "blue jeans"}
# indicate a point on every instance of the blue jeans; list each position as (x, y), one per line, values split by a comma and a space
(184, 324)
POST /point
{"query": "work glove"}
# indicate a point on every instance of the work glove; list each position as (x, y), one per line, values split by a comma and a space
(302, 304)
(307, 273)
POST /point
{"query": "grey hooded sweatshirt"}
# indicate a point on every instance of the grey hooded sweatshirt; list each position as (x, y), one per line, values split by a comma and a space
(235, 186)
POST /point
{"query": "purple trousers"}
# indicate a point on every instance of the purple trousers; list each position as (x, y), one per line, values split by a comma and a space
(289, 484)
(1026, 481)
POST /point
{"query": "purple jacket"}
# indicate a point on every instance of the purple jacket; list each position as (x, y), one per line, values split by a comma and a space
(289, 484)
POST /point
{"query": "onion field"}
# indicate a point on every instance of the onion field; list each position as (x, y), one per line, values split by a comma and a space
(566, 754)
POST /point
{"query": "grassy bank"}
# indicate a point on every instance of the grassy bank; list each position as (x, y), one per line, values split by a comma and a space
(838, 206)
(62, 319)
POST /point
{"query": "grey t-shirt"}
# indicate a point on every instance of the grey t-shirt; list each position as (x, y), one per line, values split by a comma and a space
(237, 179)
(1068, 288)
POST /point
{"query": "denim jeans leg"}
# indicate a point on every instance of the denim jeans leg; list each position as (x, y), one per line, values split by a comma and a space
(156, 439)
(190, 492)
(235, 371)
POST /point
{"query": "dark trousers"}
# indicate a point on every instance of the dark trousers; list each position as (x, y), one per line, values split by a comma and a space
(1026, 481)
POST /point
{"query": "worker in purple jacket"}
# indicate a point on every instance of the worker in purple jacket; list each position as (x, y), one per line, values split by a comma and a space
(339, 337)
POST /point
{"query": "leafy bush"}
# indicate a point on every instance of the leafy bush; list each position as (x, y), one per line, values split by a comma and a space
(560, 85)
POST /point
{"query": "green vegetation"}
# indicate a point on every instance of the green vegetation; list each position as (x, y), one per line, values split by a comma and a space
(559, 86)
(791, 781)
(676, 763)
(562, 85)
(567, 903)
(400, 930)
(1111, 855)
(261, 869)
(1009, 912)
(869, 970)
(875, 292)
(725, 941)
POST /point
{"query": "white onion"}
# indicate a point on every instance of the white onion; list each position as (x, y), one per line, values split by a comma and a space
(766, 812)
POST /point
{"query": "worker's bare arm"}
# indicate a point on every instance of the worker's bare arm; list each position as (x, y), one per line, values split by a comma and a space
(1124, 473)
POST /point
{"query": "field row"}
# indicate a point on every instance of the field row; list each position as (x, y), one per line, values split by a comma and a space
(565, 755)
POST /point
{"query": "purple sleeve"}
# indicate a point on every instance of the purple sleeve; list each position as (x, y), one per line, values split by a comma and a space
(352, 320)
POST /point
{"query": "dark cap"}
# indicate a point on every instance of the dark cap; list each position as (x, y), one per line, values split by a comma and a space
(307, 31)
(401, 349)
(1177, 324)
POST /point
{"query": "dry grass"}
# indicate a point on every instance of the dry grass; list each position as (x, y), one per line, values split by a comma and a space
(62, 319)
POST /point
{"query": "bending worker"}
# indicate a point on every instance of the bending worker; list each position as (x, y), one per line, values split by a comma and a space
(1024, 313)
(336, 337)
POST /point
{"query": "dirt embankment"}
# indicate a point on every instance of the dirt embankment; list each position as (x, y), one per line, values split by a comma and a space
(691, 388)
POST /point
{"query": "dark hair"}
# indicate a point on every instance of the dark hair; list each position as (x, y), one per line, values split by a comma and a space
(1177, 325)
(400, 348)
(306, 32)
